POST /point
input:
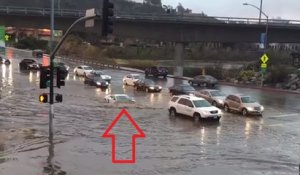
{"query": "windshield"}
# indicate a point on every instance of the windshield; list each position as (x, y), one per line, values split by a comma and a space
(136, 77)
(188, 88)
(217, 93)
(149, 82)
(122, 98)
(97, 78)
(247, 100)
(98, 73)
(201, 103)
(87, 68)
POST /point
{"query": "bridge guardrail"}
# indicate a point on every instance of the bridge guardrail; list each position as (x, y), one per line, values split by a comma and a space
(149, 16)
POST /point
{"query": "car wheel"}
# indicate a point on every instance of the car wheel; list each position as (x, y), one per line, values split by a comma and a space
(172, 112)
(197, 117)
(226, 108)
(76, 73)
(244, 112)
(214, 103)
(165, 76)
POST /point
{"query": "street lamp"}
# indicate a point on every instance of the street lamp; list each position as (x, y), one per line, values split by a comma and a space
(266, 33)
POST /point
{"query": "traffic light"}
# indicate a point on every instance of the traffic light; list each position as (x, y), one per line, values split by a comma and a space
(107, 14)
(60, 77)
(43, 98)
(59, 98)
(44, 77)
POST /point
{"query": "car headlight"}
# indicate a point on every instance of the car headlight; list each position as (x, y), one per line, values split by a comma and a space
(250, 108)
(262, 108)
(98, 83)
(159, 87)
(220, 101)
(106, 83)
(151, 87)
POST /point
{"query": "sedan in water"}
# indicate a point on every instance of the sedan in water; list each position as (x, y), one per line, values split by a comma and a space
(204, 80)
(119, 98)
(29, 64)
(182, 89)
(215, 97)
(131, 78)
(98, 73)
(4, 61)
(96, 81)
(83, 70)
(147, 85)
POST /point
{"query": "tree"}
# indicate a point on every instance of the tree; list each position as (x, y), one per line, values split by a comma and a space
(153, 2)
(180, 8)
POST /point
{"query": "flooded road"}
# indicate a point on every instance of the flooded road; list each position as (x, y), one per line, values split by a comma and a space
(236, 145)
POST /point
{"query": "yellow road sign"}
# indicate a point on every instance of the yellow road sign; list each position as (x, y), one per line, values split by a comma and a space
(263, 65)
(264, 58)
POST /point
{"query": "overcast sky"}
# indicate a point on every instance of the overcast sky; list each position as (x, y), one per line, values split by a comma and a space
(286, 9)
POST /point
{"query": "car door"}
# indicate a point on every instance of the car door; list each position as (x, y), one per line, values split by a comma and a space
(180, 107)
(188, 108)
(235, 103)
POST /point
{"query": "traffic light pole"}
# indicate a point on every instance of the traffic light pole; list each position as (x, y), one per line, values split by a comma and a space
(52, 57)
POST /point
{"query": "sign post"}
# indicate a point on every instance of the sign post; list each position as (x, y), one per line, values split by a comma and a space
(264, 59)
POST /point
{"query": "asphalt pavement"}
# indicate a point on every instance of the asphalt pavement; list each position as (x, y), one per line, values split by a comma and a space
(236, 145)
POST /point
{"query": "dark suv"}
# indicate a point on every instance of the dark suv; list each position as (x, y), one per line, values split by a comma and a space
(157, 71)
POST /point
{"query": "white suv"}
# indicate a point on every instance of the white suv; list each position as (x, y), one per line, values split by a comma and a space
(193, 106)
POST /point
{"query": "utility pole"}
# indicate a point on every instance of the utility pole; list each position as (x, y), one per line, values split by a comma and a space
(260, 10)
(51, 110)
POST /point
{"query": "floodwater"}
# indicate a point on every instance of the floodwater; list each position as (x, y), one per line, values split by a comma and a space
(236, 145)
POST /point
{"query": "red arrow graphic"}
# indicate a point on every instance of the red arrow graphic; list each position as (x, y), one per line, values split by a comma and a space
(108, 134)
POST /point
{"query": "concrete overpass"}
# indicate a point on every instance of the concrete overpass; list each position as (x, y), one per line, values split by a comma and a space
(162, 27)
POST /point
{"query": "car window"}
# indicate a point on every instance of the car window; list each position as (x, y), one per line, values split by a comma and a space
(189, 103)
(174, 99)
(205, 93)
(79, 67)
(248, 100)
(201, 103)
(149, 82)
(129, 76)
(87, 68)
(181, 101)
(236, 99)
(217, 93)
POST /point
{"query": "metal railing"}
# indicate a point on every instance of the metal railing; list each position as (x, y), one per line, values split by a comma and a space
(189, 18)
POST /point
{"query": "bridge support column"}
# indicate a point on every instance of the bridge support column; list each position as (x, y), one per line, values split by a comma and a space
(179, 60)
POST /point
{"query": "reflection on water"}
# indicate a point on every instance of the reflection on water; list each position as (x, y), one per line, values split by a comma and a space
(52, 168)
(30, 77)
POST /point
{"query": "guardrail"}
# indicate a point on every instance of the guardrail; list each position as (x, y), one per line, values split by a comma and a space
(192, 18)
(40, 11)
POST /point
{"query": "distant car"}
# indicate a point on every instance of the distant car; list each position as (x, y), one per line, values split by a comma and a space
(131, 78)
(29, 64)
(62, 65)
(119, 98)
(215, 97)
(4, 61)
(83, 70)
(95, 81)
(193, 106)
(204, 80)
(182, 89)
(147, 85)
(157, 71)
(244, 104)
(98, 73)
(37, 53)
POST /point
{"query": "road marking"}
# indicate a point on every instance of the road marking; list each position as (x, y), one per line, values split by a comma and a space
(286, 115)
(282, 124)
